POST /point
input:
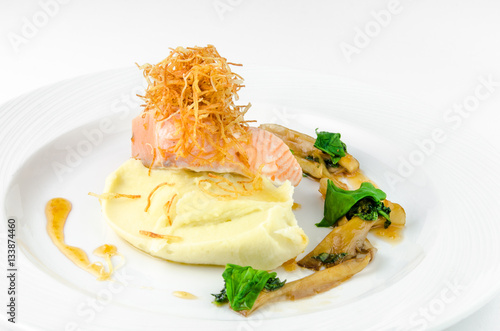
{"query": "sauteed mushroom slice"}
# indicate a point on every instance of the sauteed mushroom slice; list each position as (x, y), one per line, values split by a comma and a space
(318, 282)
(313, 161)
(344, 239)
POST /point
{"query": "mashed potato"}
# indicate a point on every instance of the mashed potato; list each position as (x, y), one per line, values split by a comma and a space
(259, 230)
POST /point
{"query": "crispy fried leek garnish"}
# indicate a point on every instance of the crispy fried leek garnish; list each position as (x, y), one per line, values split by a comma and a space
(224, 189)
(110, 195)
(167, 206)
(153, 161)
(196, 88)
(153, 192)
(160, 236)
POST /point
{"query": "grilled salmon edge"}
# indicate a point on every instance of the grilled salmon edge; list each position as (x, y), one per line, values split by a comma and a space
(146, 139)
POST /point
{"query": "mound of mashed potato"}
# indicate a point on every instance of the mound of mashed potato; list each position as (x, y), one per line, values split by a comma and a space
(259, 230)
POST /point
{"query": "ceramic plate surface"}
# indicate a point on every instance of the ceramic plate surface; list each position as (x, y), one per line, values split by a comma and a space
(65, 139)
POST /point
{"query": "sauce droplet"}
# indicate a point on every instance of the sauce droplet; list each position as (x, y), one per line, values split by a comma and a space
(393, 233)
(57, 211)
(290, 265)
(184, 295)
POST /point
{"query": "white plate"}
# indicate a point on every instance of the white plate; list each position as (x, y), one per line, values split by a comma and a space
(65, 139)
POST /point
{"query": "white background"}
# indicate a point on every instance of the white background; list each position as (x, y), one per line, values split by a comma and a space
(430, 51)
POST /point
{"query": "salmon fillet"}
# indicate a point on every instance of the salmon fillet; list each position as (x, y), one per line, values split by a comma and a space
(152, 140)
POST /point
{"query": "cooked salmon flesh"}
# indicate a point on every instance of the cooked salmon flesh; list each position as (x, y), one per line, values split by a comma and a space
(153, 140)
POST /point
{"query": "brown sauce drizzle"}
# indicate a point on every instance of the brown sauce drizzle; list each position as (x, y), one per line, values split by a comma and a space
(393, 233)
(57, 211)
(290, 265)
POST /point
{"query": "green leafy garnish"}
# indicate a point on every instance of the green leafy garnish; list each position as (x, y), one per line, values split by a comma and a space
(273, 284)
(327, 258)
(330, 164)
(331, 144)
(242, 286)
(369, 210)
(387, 223)
(311, 158)
(339, 202)
(221, 298)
